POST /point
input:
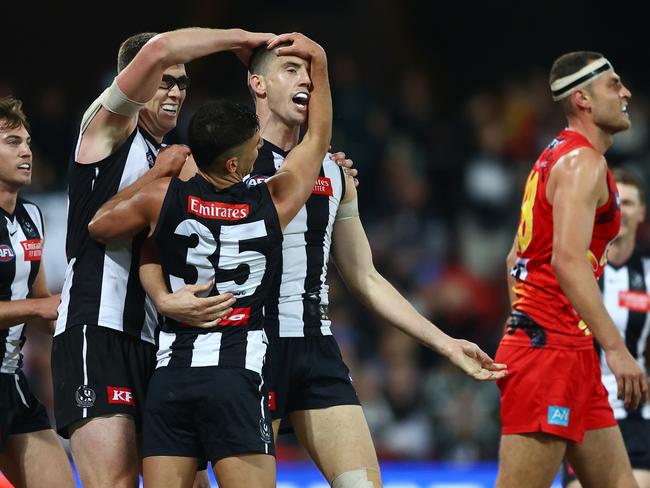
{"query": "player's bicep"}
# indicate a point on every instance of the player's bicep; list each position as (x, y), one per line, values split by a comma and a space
(575, 199)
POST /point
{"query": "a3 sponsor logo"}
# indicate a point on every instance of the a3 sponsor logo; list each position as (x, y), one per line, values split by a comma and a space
(558, 415)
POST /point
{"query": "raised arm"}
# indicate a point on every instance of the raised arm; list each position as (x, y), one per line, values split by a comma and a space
(353, 259)
(577, 186)
(291, 186)
(136, 84)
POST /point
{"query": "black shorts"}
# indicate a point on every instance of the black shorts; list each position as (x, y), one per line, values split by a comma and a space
(99, 371)
(636, 436)
(208, 412)
(306, 373)
(20, 411)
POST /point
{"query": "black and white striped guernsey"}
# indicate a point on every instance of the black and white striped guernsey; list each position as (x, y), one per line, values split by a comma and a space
(21, 237)
(625, 295)
(234, 237)
(102, 286)
(297, 304)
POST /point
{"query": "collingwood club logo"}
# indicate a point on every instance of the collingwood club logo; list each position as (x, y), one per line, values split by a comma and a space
(265, 431)
(85, 396)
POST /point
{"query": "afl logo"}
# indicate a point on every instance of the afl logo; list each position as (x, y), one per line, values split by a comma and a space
(6, 253)
(255, 180)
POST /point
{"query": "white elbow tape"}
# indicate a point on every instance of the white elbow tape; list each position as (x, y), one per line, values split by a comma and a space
(114, 100)
(357, 478)
(348, 210)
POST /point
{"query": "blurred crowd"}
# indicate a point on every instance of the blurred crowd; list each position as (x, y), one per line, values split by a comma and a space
(439, 198)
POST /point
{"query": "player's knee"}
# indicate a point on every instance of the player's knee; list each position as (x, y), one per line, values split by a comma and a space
(356, 478)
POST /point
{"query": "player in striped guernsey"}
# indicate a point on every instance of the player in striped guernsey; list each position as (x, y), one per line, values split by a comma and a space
(215, 227)
(625, 284)
(307, 379)
(30, 453)
(103, 351)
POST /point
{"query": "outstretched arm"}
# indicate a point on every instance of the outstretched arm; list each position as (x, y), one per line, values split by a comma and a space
(291, 186)
(140, 80)
(353, 259)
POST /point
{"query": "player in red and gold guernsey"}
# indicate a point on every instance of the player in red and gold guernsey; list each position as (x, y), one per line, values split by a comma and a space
(553, 402)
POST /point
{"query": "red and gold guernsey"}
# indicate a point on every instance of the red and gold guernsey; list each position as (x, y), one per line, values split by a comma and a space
(538, 293)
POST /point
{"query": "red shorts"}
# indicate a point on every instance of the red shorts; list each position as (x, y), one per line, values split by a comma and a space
(556, 391)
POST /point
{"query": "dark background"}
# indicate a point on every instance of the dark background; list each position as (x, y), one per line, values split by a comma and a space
(443, 107)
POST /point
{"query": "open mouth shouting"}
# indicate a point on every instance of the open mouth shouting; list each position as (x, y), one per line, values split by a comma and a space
(301, 99)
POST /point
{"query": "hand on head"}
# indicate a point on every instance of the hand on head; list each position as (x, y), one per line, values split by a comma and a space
(299, 45)
(251, 41)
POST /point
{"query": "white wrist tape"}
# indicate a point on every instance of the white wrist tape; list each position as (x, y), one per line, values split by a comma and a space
(348, 210)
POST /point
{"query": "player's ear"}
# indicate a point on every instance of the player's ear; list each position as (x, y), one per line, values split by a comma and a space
(257, 85)
(231, 165)
(581, 98)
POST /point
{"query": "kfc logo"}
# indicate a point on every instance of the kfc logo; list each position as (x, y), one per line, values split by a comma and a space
(123, 396)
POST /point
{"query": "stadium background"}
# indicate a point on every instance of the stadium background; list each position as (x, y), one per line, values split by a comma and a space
(443, 111)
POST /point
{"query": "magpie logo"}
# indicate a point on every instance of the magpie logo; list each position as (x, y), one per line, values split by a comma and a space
(85, 396)
(265, 431)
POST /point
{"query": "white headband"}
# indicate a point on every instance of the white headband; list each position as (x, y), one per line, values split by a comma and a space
(562, 87)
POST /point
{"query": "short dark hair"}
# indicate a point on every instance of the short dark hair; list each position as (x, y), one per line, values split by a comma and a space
(261, 58)
(627, 177)
(217, 128)
(130, 47)
(11, 114)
